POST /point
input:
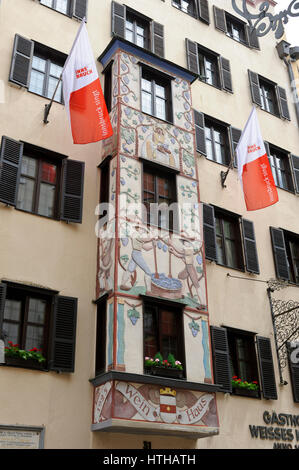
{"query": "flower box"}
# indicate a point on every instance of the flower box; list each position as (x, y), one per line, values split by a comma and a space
(24, 363)
(165, 372)
(245, 392)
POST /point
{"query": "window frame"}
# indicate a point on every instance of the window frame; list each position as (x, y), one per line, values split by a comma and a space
(138, 21)
(216, 126)
(291, 238)
(160, 79)
(203, 56)
(180, 7)
(265, 87)
(47, 75)
(159, 306)
(235, 22)
(54, 7)
(158, 170)
(280, 154)
(238, 245)
(101, 336)
(42, 157)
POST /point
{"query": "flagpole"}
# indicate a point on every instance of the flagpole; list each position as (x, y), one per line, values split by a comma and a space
(49, 106)
(224, 174)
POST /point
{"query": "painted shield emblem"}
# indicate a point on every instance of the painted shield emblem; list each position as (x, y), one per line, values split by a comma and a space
(168, 405)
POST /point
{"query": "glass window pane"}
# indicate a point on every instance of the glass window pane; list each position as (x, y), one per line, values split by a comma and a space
(29, 166)
(55, 70)
(11, 333)
(146, 103)
(160, 108)
(129, 36)
(12, 310)
(37, 82)
(49, 172)
(146, 85)
(46, 200)
(25, 194)
(61, 5)
(38, 64)
(48, 3)
(231, 255)
(51, 88)
(160, 91)
(140, 41)
(37, 310)
(34, 337)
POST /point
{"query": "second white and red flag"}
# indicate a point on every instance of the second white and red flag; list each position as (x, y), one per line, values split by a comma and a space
(83, 95)
(254, 168)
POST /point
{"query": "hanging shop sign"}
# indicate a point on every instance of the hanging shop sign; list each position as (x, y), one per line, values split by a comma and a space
(283, 428)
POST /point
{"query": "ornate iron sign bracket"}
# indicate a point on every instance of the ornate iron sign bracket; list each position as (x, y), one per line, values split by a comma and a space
(264, 21)
(285, 319)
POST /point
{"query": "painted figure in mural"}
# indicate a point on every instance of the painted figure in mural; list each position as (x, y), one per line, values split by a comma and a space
(106, 261)
(155, 148)
(140, 241)
(187, 254)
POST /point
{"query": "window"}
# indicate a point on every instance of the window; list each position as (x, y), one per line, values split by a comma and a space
(63, 6)
(137, 28)
(188, 6)
(37, 68)
(137, 31)
(108, 87)
(197, 8)
(280, 167)
(235, 28)
(156, 95)
(285, 246)
(268, 95)
(217, 143)
(228, 241)
(38, 318)
(159, 188)
(73, 8)
(40, 181)
(163, 331)
(210, 66)
(38, 185)
(226, 236)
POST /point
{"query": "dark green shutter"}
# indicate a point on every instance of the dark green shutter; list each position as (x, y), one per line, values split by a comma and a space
(293, 353)
(266, 368)
(10, 169)
(295, 166)
(221, 360)
(199, 122)
(203, 11)
(118, 19)
(279, 253)
(72, 191)
(283, 103)
(80, 9)
(220, 20)
(157, 39)
(255, 88)
(63, 341)
(251, 257)
(235, 135)
(209, 231)
(21, 61)
(192, 56)
(252, 37)
(2, 305)
(227, 83)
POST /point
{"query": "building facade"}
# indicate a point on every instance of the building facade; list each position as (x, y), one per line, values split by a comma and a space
(138, 249)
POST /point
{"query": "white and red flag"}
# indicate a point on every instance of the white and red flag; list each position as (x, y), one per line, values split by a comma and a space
(83, 93)
(254, 168)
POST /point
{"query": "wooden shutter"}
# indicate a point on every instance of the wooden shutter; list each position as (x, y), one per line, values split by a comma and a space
(80, 9)
(199, 122)
(255, 88)
(192, 56)
(279, 253)
(251, 257)
(226, 74)
(252, 37)
(209, 230)
(63, 341)
(72, 191)
(10, 169)
(266, 368)
(295, 166)
(157, 39)
(235, 135)
(118, 19)
(203, 10)
(293, 353)
(283, 103)
(220, 20)
(221, 361)
(21, 61)
(2, 305)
